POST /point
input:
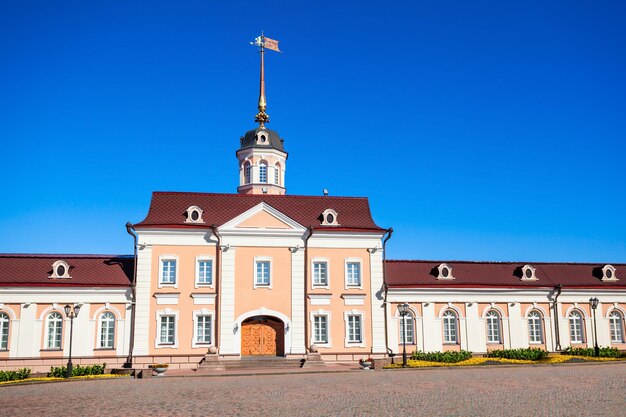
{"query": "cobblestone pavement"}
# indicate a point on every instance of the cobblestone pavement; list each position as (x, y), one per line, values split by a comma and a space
(565, 390)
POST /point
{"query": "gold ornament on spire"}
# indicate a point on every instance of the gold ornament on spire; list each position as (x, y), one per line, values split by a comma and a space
(262, 42)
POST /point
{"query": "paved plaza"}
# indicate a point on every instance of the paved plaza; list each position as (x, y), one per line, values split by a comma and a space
(564, 390)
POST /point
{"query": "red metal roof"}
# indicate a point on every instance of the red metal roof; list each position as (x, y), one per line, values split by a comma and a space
(85, 270)
(167, 209)
(415, 274)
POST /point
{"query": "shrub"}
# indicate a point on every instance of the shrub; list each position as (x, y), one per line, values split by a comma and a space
(446, 357)
(605, 352)
(61, 371)
(14, 375)
(530, 354)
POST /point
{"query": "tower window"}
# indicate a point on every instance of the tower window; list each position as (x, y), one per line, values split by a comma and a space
(247, 172)
(263, 172)
(277, 174)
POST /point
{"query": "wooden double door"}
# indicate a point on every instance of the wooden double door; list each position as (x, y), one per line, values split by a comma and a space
(262, 335)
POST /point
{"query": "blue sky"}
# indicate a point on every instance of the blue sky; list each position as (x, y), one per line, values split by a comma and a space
(479, 130)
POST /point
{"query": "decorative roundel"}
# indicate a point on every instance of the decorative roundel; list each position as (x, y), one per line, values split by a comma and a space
(445, 272)
(609, 273)
(60, 270)
(529, 273)
(194, 215)
(330, 219)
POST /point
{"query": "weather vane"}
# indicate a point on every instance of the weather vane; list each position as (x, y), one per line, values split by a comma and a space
(263, 43)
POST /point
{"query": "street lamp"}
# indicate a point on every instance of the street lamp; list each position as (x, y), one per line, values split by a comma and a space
(593, 302)
(404, 311)
(72, 313)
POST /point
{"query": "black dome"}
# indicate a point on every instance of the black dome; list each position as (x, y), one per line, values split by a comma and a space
(249, 140)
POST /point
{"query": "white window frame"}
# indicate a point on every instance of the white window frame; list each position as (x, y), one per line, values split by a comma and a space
(277, 174)
(247, 172)
(5, 328)
(157, 339)
(349, 261)
(258, 259)
(346, 317)
(100, 323)
(446, 318)
(616, 326)
(401, 325)
(493, 326)
(166, 258)
(47, 332)
(576, 335)
(194, 339)
(535, 316)
(263, 164)
(204, 258)
(327, 314)
(316, 261)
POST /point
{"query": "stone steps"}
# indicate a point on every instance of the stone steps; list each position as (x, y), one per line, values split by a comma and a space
(214, 363)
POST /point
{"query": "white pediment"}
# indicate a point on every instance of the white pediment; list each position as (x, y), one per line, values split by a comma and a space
(262, 219)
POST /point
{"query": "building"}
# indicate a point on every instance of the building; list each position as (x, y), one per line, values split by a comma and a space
(261, 272)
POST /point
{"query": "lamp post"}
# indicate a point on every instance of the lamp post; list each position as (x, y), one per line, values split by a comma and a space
(593, 302)
(404, 311)
(72, 313)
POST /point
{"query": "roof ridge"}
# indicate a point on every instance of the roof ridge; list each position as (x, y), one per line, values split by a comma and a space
(502, 262)
(259, 195)
(61, 255)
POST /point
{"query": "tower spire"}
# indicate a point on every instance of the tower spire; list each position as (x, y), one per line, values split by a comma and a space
(262, 42)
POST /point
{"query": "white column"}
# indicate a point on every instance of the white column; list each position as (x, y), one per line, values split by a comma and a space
(476, 339)
(29, 334)
(227, 303)
(142, 306)
(378, 308)
(516, 326)
(433, 338)
(296, 332)
(84, 334)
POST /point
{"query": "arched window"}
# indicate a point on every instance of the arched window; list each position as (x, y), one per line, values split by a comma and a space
(616, 324)
(277, 174)
(449, 327)
(263, 172)
(55, 330)
(535, 329)
(247, 172)
(4, 331)
(107, 330)
(576, 327)
(493, 327)
(407, 329)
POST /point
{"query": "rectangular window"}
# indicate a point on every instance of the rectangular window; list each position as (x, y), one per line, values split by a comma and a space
(205, 272)
(320, 329)
(55, 330)
(535, 333)
(354, 328)
(320, 274)
(262, 273)
(406, 329)
(168, 271)
(168, 330)
(204, 329)
(4, 331)
(353, 274)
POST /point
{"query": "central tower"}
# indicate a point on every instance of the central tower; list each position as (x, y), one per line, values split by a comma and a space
(261, 154)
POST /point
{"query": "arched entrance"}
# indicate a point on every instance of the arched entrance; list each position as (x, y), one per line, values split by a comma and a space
(263, 335)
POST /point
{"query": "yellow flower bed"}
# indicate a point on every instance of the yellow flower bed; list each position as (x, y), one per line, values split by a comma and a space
(551, 359)
(51, 378)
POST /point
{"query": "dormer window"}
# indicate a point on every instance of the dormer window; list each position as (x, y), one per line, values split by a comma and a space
(528, 273)
(194, 215)
(445, 271)
(262, 138)
(329, 218)
(60, 269)
(608, 273)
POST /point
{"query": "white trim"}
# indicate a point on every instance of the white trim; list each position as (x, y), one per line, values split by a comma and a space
(258, 259)
(106, 307)
(165, 258)
(231, 228)
(361, 314)
(611, 268)
(315, 260)
(319, 299)
(99, 330)
(353, 299)
(197, 283)
(539, 308)
(167, 298)
(533, 271)
(57, 264)
(493, 306)
(157, 338)
(9, 311)
(440, 269)
(326, 213)
(45, 316)
(194, 341)
(203, 298)
(192, 209)
(345, 272)
(615, 307)
(328, 315)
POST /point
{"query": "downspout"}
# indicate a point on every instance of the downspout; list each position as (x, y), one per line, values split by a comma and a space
(218, 277)
(557, 336)
(306, 274)
(133, 301)
(389, 232)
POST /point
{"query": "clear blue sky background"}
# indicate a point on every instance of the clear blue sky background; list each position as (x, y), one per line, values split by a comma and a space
(481, 130)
